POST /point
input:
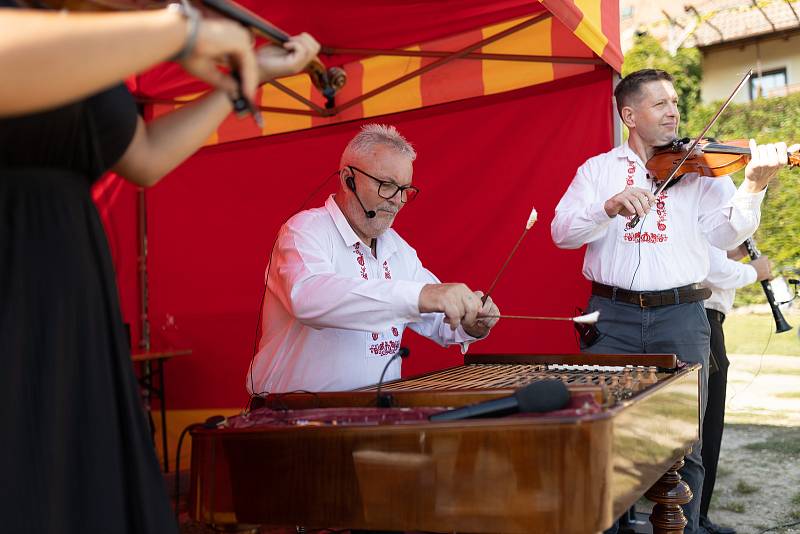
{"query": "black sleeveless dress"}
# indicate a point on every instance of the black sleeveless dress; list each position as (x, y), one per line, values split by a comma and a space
(75, 448)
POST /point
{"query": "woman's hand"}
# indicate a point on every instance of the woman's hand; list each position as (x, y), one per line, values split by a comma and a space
(275, 61)
(224, 42)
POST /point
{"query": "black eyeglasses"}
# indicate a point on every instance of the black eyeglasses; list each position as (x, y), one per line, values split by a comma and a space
(388, 190)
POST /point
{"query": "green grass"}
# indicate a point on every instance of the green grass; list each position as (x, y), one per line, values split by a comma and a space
(794, 513)
(756, 419)
(750, 334)
(775, 370)
(723, 471)
(743, 488)
(787, 442)
(732, 506)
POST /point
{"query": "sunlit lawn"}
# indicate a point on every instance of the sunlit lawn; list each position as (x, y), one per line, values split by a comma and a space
(755, 334)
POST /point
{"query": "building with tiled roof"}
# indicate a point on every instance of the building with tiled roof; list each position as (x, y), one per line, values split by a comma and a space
(733, 36)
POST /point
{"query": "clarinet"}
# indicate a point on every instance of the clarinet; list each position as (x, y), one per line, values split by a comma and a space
(780, 323)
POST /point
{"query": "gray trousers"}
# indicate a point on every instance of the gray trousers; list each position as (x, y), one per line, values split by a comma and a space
(680, 329)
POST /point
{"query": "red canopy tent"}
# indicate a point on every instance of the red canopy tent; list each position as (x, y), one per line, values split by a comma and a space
(499, 130)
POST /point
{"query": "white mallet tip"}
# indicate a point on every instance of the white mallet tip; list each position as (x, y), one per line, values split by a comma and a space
(531, 218)
(589, 318)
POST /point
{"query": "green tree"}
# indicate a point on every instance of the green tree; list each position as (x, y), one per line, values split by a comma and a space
(684, 66)
(767, 120)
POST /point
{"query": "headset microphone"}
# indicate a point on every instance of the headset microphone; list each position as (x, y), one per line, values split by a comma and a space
(351, 184)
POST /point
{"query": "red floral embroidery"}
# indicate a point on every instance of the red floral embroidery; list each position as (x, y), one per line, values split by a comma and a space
(385, 348)
(631, 172)
(646, 237)
(661, 211)
(360, 260)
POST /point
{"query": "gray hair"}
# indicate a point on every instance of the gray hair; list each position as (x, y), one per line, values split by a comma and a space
(378, 134)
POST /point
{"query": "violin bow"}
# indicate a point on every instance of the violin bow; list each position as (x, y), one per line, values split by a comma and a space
(633, 222)
(531, 219)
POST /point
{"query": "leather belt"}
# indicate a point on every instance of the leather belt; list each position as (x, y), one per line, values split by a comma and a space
(717, 315)
(652, 299)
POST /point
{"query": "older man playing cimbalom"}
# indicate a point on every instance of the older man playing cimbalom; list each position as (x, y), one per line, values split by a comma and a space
(342, 285)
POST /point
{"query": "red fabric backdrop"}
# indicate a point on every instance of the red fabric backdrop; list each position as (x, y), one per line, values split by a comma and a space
(347, 24)
(483, 163)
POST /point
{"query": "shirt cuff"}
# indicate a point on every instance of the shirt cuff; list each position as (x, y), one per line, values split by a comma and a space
(748, 201)
(597, 213)
(465, 340)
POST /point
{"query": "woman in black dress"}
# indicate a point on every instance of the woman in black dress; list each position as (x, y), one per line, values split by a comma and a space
(75, 449)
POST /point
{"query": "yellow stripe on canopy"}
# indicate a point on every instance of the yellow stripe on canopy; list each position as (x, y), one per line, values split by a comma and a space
(274, 97)
(380, 70)
(590, 28)
(500, 76)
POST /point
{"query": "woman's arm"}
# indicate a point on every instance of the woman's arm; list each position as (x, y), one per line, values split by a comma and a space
(49, 59)
(161, 145)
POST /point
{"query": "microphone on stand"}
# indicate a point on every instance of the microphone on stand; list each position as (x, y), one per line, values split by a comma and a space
(385, 401)
(351, 184)
(540, 396)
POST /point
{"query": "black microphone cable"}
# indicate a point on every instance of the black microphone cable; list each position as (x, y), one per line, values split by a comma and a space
(351, 185)
(211, 422)
(385, 401)
(639, 241)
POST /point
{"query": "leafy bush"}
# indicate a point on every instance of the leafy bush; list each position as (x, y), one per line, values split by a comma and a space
(647, 53)
(765, 119)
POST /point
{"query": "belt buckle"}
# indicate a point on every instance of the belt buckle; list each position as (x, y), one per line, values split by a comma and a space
(641, 301)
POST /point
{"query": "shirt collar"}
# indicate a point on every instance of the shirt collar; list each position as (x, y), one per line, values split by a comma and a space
(386, 245)
(625, 151)
(345, 230)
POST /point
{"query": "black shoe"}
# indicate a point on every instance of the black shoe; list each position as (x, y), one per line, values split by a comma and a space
(713, 528)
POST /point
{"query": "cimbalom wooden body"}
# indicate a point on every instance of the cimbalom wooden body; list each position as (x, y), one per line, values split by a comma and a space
(335, 460)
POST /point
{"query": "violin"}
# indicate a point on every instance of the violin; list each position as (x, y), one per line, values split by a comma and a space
(327, 80)
(709, 158)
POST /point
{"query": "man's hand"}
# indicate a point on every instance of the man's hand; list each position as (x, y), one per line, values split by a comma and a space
(630, 201)
(459, 304)
(480, 328)
(765, 162)
(275, 61)
(763, 267)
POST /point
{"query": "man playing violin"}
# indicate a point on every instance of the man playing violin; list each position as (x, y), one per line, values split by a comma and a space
(342, 285)
(645, 280)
